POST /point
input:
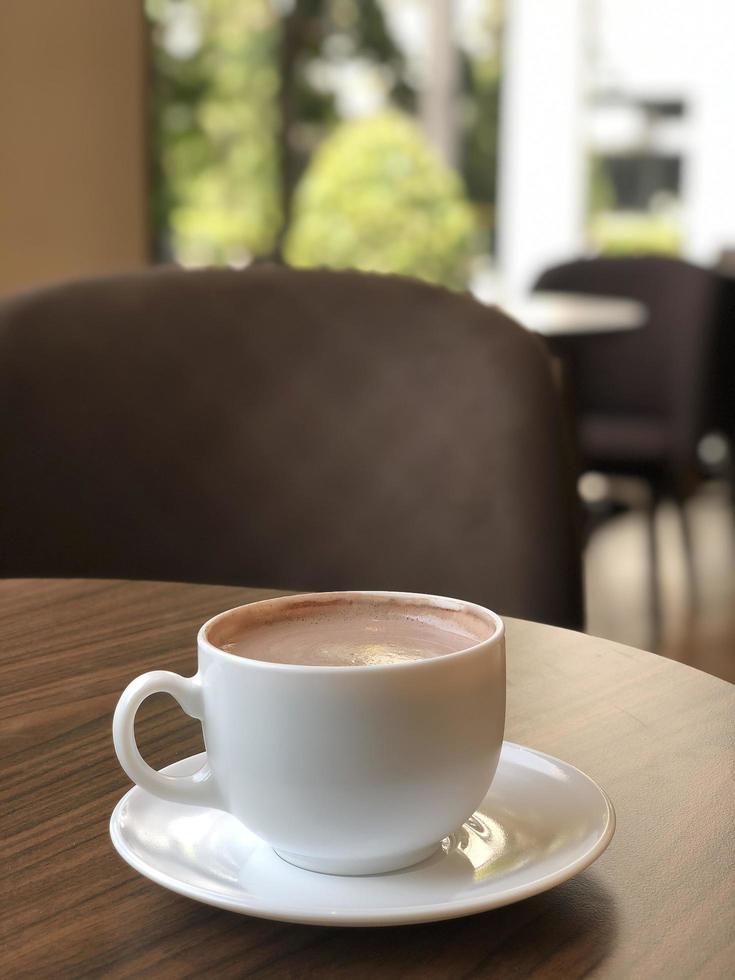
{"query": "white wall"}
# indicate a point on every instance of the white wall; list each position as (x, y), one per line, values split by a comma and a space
(710, 171)
(683, 49)
(556, 51)
(646, 45)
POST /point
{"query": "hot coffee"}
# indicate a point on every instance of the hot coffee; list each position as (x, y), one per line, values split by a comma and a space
(352, 634)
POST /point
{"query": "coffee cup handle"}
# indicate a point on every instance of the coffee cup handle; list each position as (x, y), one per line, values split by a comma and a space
(197, 790)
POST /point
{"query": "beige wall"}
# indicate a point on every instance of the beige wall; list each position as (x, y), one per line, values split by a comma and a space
(72, 139)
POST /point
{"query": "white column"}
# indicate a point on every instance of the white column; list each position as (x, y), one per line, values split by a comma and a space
(709, 170)
(542, 170)
(438, 96)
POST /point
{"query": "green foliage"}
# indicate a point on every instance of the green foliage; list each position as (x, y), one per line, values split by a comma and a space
(633, 233)
(376, 198)
(240, 107)
(600, 190)
(319, 34)
(480, 104)
(215, 186)
(236, 118)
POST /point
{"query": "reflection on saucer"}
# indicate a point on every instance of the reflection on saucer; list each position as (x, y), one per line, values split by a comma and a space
(481, 840)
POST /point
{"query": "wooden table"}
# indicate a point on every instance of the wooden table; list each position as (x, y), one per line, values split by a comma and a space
(658, 736)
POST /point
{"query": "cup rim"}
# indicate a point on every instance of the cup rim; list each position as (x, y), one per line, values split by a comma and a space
(494, 639)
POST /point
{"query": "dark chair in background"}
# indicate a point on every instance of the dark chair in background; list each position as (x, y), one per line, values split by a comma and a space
(641, 398)
(723, 409)
(272, 427)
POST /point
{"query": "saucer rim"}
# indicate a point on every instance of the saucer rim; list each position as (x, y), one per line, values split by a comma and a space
(408, 914)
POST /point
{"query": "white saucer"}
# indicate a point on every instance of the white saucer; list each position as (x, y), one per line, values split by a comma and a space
(541, 823)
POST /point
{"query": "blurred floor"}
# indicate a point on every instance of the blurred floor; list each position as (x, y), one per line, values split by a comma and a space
(617, 582)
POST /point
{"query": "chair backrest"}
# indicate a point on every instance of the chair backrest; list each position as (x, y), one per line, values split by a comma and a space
(722, 414)
(660, 370)
(295, 429)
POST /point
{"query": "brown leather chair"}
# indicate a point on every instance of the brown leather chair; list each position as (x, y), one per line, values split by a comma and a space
(296, 429)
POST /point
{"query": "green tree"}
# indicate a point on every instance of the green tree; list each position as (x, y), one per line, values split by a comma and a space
(309, 31)
(237, 114)
(238, 111)
(376, 198)
(215, 187)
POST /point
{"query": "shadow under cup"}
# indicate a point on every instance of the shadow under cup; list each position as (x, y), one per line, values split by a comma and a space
(353, 731)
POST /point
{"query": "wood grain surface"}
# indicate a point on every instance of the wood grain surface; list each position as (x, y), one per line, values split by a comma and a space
(657, 735)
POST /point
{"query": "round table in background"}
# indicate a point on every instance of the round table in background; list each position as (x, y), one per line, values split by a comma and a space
(558, 314)
(658, 736)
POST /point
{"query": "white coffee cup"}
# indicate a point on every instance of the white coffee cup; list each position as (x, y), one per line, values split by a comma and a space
(345, 770)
